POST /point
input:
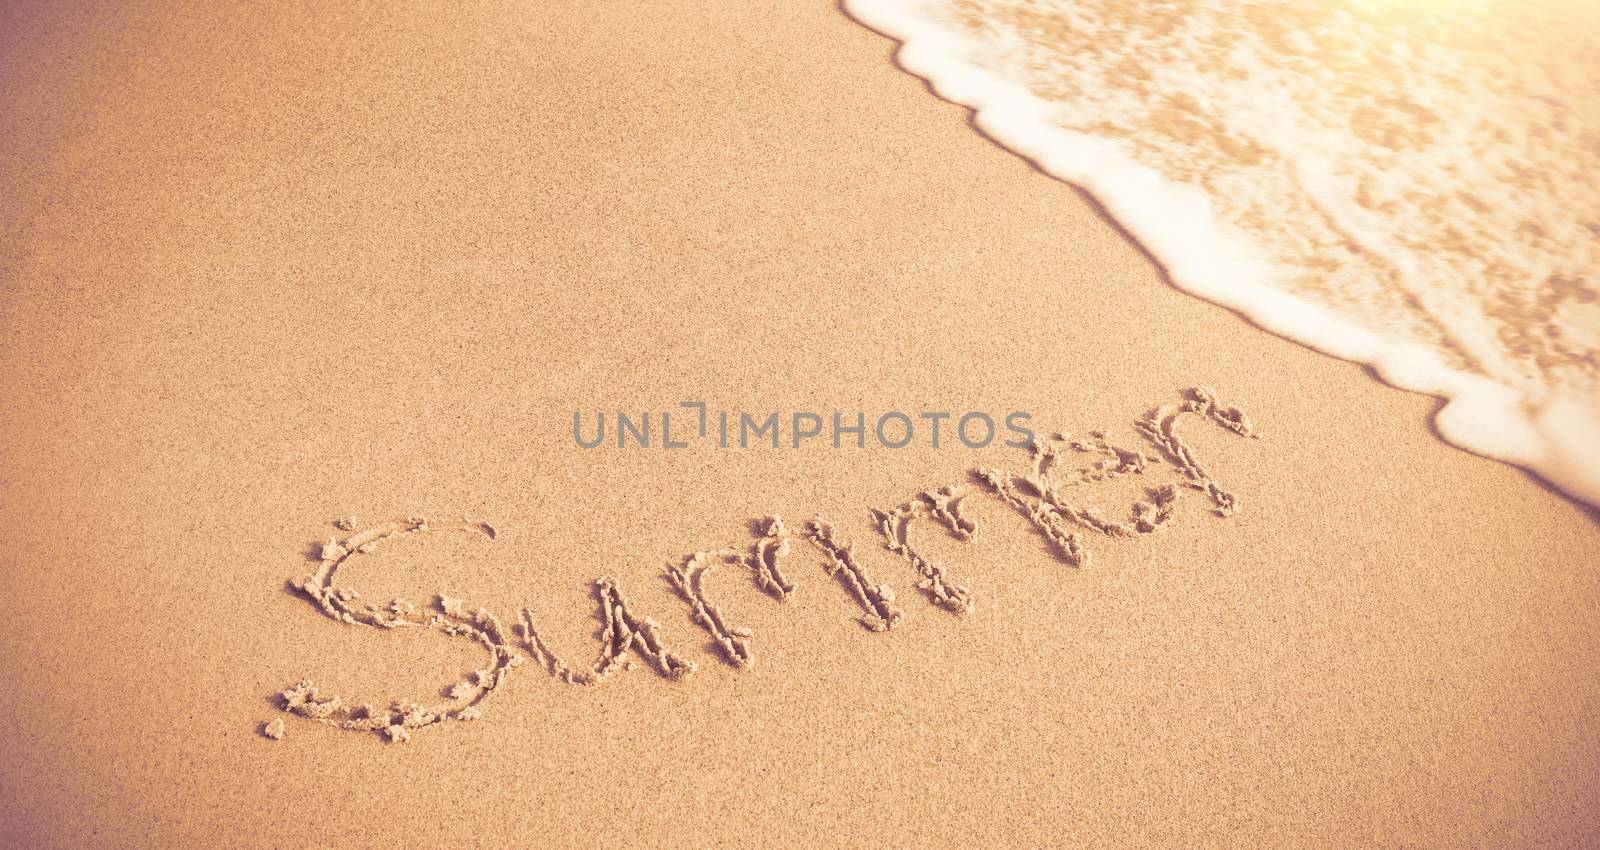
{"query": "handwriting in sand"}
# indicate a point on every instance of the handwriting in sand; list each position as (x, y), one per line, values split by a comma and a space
(1044, 494)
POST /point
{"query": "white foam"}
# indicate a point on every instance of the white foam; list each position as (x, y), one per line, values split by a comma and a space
(1553, 432)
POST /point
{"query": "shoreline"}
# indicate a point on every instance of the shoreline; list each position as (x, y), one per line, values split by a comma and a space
(1556, 438)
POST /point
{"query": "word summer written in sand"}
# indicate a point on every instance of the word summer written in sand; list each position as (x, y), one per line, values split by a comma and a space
(1047, 494)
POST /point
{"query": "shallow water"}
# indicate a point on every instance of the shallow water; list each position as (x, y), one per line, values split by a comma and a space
(1427, 175)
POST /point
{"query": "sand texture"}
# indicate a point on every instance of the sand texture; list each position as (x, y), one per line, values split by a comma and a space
(296, 308)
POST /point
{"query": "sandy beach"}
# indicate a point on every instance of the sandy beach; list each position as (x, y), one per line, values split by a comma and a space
(265, 269)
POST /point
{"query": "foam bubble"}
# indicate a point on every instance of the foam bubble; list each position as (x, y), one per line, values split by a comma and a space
(1414, 186)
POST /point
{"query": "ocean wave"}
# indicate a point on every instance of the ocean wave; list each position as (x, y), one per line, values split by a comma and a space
(1414, 186)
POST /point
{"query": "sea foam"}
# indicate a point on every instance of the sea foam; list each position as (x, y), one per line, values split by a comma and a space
(1413, 186)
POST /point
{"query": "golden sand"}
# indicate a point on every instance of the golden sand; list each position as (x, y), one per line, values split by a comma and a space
(263, 268)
